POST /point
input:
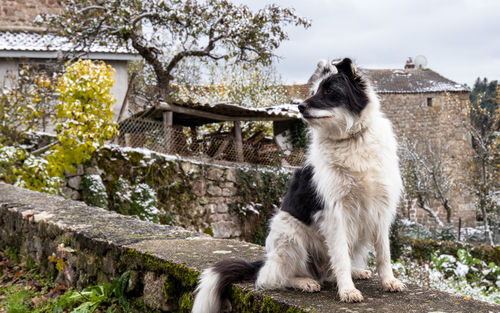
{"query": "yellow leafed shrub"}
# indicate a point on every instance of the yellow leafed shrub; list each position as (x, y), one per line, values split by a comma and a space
(84, 115)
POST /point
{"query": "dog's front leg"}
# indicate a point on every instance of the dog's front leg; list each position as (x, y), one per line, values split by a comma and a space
(334, 231)
(384, 269)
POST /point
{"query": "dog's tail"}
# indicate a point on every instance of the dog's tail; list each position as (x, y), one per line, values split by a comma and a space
(215, 280)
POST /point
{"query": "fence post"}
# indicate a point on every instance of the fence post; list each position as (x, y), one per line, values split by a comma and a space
(127, 140)
(167, 126)
(238, 141)
(459, 227)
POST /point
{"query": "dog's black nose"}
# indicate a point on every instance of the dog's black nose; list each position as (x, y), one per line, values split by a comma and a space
(302, 107)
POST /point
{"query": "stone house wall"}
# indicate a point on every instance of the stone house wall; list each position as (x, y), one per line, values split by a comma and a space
(23, 12)
(439, 118)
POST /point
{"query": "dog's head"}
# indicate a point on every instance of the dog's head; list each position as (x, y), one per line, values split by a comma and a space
(339, 97)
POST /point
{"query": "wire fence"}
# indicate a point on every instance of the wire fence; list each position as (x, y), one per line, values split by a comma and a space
(209, 147)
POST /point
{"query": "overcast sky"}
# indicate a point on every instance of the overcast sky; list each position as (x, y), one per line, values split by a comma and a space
(459, 38)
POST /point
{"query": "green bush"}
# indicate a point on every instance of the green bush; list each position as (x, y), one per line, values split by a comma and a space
(94, 191)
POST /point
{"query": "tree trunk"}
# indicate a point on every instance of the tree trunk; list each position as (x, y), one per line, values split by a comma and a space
(164, 88)
(433, 214)
(482, 201)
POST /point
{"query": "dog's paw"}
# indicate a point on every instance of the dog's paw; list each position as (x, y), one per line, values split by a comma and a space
(393, 285)
(306, 284)
(361, 274)
(350, 295)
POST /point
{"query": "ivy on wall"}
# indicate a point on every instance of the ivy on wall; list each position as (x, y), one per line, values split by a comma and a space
(261, 193)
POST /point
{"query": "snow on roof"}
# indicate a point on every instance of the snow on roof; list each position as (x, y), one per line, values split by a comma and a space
(411, 81)
(25, 41)
(232, 109)
(218, 112)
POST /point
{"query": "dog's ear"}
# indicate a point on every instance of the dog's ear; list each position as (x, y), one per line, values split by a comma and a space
(347, 67)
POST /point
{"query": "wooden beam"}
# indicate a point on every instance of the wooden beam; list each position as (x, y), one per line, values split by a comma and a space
(128, 141)
(125, 99)
(238, 141)
(218, 117)
(168, 121)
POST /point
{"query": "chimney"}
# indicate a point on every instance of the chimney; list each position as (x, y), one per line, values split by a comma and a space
(409, 63)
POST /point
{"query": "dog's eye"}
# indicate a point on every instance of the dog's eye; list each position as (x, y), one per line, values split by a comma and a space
(329, 91)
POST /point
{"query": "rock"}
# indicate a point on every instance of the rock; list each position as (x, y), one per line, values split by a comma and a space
(94, 170)
(215, 173)
(78, 172)
(228, 192)
(186, 167)
(153, 292)
(227, 185)
(226, 230)
(108, 178)
(222, 207)
(74, 182)
(212, 208)
(231, 175)
(199, 188)
(71, 193)
(214, 190)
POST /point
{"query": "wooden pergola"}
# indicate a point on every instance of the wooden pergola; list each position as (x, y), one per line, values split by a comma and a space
(197, 114)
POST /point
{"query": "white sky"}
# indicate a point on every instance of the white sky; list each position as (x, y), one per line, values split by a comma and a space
(460, 38)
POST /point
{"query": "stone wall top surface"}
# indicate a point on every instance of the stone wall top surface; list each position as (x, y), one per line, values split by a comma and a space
(197, 251)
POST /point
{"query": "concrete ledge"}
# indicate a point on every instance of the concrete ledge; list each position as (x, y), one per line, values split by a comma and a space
(165, 261)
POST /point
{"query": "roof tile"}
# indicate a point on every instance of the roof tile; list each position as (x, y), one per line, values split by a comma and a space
(31, 41)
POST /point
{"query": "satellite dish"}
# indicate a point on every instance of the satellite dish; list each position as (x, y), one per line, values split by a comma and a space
(420, 61)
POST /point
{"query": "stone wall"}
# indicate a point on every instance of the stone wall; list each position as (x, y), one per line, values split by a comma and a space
(439, 118)
(23, 12)
(198, 196)
(164, 261)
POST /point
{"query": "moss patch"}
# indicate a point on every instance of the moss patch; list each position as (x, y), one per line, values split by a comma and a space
(422, 249)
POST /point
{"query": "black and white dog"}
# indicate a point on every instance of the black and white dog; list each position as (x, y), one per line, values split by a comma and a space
(338, 205)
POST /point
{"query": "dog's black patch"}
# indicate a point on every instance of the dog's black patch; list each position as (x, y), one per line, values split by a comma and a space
(345, 88)
(301, 200)
(235, 271)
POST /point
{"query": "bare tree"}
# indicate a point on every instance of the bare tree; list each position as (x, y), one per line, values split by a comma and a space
(484, 168)
(425, 177)
(166, 32)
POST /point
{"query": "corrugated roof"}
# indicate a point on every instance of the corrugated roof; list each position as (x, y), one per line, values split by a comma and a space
(411, 81)
(34, 41)
(234, 110)
(229, 110)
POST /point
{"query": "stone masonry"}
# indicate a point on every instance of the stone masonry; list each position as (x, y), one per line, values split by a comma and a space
(22, 12)
(200, 198)
(164, 261)
(439, 118)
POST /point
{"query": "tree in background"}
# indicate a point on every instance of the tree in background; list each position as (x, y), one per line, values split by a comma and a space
(484, 167)
(425, 178)
(166, 33)
(83, 122)
(26, 104)
(483, 97)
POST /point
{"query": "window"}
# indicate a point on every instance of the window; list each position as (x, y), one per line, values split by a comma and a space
(429, 102)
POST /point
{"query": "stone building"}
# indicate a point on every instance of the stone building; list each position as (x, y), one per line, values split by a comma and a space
(22, 43)
(430, 111)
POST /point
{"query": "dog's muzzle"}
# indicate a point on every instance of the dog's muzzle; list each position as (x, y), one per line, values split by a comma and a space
(302, 107)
